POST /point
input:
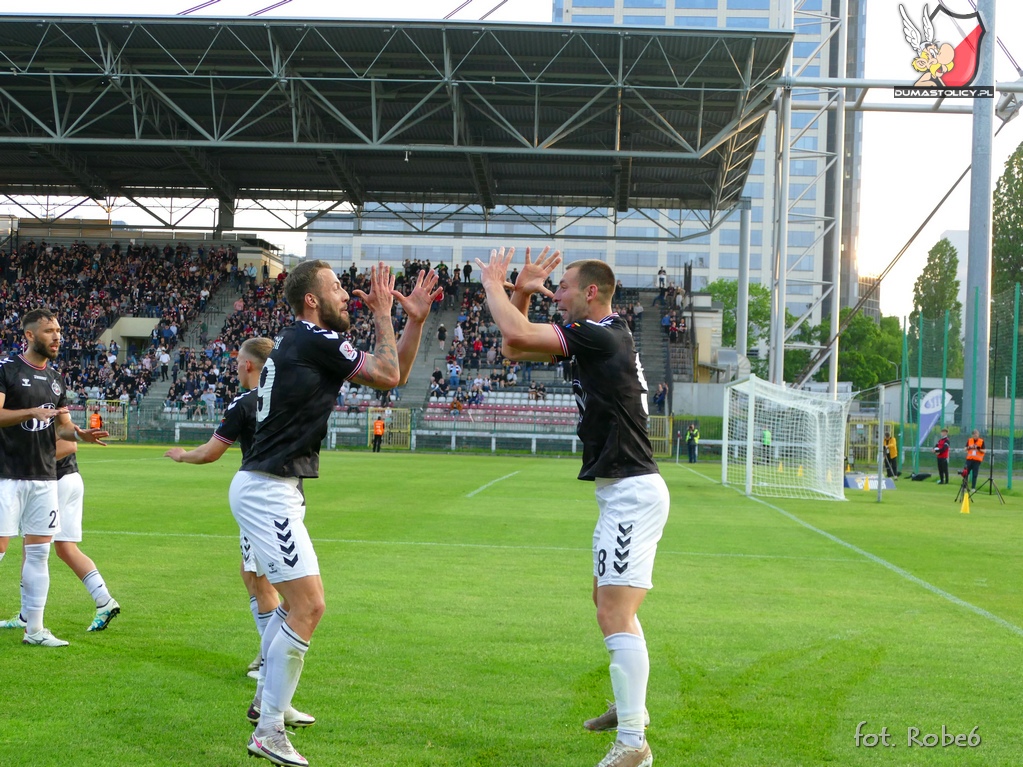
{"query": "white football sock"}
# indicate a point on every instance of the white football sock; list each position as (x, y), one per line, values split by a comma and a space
(262, 619)
(283, 670)
(97, 588)
(35, 579)
(273, 625)
(254, 609)
(630, 670)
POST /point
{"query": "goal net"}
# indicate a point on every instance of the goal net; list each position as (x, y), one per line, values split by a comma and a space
(782, 442)
(113, 416)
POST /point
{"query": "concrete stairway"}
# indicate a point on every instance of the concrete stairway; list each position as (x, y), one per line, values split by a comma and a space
(218, 309)
(415, 391)
(652, 342)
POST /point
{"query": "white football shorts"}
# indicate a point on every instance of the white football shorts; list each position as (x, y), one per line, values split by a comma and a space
(70, 499)
(270, 511)
(28, 507)
(248, 561)
(633, 512)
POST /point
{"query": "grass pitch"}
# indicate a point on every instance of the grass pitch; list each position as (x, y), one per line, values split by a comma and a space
(459, 628)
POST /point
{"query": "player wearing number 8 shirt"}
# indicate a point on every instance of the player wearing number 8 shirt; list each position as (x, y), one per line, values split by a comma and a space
(297, 391)
(632, 498)
(33, 414)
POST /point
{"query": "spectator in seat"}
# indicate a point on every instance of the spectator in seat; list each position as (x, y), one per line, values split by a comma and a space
(352, 403)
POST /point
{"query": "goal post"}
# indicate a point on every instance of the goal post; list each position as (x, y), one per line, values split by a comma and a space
(781, 442)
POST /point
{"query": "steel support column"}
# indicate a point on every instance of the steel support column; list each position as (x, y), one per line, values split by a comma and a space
(838, 247)
(742, 298)
(978, 269)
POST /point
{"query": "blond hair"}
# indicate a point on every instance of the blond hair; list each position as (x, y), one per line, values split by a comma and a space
(257, 349)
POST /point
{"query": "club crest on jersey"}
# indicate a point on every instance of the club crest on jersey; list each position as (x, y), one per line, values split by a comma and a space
(55, 387)
(348, 351)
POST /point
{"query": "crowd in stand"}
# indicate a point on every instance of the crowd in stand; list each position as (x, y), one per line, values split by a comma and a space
(90, 287)
(474, 365)
(204, 379)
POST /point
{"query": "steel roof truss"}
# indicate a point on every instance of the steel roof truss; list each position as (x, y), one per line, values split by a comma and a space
(573, 123)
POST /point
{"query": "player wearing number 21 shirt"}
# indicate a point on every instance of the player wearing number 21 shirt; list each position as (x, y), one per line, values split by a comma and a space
(297, 390)
(632, 498)
(33, 414)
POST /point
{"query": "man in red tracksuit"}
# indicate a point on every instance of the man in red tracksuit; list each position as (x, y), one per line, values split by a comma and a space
(941, 451)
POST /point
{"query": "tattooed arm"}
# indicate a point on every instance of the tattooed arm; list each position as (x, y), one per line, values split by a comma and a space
(380, 370)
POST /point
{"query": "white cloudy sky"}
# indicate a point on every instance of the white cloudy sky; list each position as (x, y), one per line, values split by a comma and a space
(909, 160)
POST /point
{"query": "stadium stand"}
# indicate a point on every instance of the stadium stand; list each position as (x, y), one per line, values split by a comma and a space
(262, 311)
(90, 287)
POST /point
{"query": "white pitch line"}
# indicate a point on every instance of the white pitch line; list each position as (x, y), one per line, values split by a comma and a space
(492, 482)
(438, 544)
(893, 568)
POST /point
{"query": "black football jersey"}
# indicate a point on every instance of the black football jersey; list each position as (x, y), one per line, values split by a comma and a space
(67, 465)
(297, 392)
(239, 423)
(610, 392)
(28, 450)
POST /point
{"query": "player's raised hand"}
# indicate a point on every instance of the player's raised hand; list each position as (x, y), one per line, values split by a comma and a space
(534, 274)
(417, 303)
(379, 300)
(493, 272)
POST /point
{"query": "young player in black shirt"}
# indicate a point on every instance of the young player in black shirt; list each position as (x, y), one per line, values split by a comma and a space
(239, 425)
(33, 415)
(610, 391)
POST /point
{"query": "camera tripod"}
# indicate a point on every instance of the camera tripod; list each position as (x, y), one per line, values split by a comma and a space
(964, 487)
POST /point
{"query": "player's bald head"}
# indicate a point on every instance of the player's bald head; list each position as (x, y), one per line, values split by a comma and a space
(593, 272)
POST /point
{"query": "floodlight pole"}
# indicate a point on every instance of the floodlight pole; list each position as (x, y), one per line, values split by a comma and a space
(837, 200)
(781, 263)
(742, 298)
(978, 268)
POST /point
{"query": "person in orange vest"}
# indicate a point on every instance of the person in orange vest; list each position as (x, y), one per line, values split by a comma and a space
(974, 456)
(378, 433)
(891, 455)
(95, 420)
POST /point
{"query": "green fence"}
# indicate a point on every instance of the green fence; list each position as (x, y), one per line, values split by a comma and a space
(931, 387)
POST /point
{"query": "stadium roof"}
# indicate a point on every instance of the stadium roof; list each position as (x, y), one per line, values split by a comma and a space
(371, 111)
